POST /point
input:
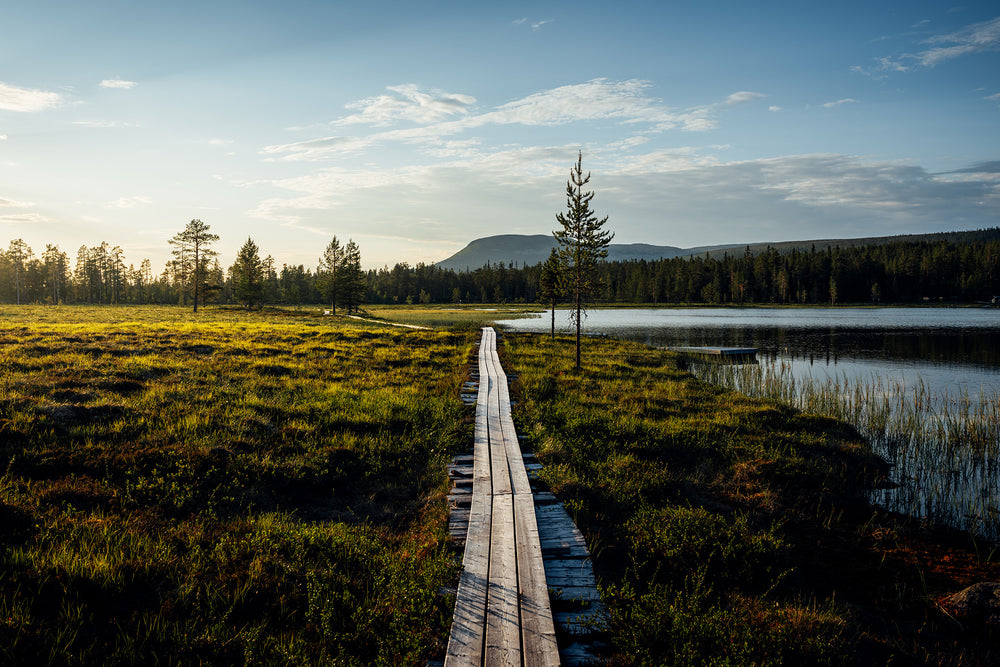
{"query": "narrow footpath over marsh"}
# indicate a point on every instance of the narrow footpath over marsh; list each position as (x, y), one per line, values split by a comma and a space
(503, 613)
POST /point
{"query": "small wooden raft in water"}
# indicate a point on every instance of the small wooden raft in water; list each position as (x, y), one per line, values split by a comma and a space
(730, 353)
(502, 610)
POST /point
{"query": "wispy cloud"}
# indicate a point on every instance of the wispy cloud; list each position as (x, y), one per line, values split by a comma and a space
(129, 202)
(118, 83)
(535, 25)
(846, 100)
(15, 212)
(599, 99)
(317, 149)
(974, 38)
(971, 39)
(407, 103)
(13, 98)
(699, 119)
(99, 123)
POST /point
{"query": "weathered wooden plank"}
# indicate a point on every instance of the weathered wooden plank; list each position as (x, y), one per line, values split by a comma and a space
(538, 632)
(467, 640)
(503, 619)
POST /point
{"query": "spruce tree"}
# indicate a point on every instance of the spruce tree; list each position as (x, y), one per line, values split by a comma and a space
(582, 244)
(331, 282)
(352, 278)
(550, 287)
(248, 275)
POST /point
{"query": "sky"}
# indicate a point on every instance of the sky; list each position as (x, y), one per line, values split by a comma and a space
(415, 127)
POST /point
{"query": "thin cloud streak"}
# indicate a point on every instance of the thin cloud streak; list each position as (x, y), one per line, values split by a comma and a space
(598, 99)
(118, 84)
(975, 38)
(27, 100)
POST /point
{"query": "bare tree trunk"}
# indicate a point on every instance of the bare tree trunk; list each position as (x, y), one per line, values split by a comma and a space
(578, 296)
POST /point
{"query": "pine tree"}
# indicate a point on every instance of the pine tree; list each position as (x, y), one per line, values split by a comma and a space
(18, 254)
(352, 278)
(193, 252)
(582, 244)
(550, 287)
(248, 275)
(331, 282)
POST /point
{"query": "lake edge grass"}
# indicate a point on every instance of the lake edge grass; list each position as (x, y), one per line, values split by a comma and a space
(730, 530)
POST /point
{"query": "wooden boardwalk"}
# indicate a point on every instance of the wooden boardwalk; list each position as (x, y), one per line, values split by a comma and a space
(502, 611)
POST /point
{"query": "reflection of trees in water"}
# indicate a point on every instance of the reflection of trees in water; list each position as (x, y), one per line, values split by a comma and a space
(975, 347)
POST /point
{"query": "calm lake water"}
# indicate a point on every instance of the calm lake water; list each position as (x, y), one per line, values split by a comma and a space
(951, 354)
(951, 349)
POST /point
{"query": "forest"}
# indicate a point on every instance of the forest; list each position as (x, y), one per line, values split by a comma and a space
(896, 272)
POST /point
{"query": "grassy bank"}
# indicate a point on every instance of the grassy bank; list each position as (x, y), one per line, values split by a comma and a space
(223, 488)
(729, 530)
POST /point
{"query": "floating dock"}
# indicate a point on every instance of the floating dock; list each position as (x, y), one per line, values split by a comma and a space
(729, 354)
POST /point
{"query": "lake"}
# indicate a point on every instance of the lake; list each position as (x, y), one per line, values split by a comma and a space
(938, 362)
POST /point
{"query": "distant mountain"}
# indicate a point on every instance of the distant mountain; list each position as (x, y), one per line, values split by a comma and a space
(527, 250)
(524, 250)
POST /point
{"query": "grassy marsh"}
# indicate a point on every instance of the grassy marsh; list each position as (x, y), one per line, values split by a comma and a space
(731, 530)
(451, 315)
(267, 488)
(943, 449)
(223, 488)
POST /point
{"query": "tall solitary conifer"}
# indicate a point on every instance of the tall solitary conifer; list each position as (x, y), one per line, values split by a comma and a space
(248, 275)
(582, 244)
(192, 248)
(329, 271)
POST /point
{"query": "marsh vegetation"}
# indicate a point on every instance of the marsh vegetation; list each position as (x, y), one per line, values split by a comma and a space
(733, 530)
(223, 488)
(943, 448)
(268, 488)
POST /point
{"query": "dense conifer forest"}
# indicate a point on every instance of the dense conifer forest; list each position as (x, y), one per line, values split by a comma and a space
(903, 271)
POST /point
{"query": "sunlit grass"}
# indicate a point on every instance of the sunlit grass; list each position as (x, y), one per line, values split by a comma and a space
(449, 316)
(223, 487)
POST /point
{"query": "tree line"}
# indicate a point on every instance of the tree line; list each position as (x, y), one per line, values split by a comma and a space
(193, 276)
(896, 272)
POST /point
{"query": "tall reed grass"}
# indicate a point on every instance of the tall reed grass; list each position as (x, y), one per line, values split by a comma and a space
(943, 448)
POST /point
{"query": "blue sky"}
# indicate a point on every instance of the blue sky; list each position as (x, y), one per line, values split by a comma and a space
(416, 127)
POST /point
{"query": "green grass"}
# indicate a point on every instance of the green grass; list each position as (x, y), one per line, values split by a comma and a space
(223, 488)
(728, 530)
(450, 316)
